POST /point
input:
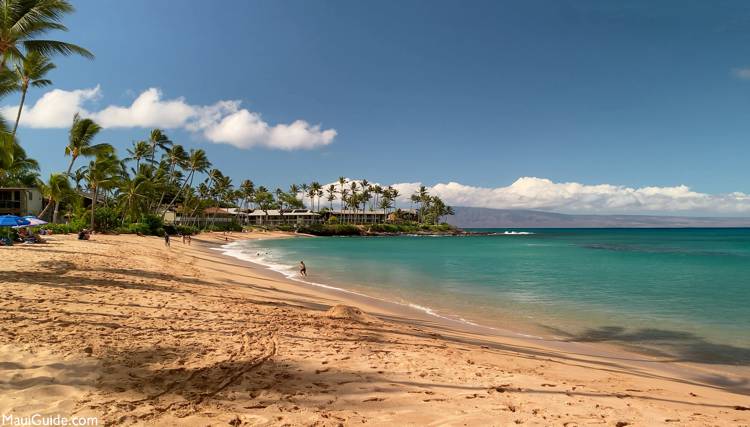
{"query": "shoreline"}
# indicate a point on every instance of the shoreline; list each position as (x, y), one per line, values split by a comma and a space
(122, 328)
(427, 317)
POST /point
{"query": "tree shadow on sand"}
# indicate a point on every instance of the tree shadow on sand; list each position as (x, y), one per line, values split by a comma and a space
(679, 346)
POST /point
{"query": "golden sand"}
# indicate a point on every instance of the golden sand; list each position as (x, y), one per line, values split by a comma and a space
(131, 332)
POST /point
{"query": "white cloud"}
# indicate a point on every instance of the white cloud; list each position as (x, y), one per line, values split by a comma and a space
(147, 110)
(742, 73)
(224, 122)
(543, 194)
(55, 109)
(571, 197)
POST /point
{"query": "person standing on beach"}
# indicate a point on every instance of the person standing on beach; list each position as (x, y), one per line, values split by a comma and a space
(166, 239)
(302, 269)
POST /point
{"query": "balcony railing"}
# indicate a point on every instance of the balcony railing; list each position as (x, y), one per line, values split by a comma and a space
(10, 204)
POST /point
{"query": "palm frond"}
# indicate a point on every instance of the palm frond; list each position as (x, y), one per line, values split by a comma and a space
(51, 47)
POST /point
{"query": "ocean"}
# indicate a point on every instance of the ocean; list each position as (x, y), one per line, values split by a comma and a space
(677, 293)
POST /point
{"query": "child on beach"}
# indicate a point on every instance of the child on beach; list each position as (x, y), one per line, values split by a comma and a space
(302, 269)
(166, 239)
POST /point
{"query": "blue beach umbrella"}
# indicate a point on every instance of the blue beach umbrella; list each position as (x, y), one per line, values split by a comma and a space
(12, 221)
(33, 221)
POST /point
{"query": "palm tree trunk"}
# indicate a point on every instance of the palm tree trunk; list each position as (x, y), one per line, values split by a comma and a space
(184, 185)
(20, 108)
(93, 205)
(46, 208)
(57, 202)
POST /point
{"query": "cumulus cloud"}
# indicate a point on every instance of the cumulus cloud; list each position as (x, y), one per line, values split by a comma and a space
(224, 122)
(572, 197)
(245, 129)
(543, 194)
(55, 109)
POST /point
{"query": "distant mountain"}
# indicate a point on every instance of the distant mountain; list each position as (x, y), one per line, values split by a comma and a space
(467, 217)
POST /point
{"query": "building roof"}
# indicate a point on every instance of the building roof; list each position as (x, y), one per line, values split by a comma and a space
(356, 212)
(215, 210)
(19, 188)
(276, 212)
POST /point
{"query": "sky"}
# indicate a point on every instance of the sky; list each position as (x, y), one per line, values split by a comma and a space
(571, 106)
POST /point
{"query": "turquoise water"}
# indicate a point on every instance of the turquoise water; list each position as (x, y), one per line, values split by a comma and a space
(680, 292)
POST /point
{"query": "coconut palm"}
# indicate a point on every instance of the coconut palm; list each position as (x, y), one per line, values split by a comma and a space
(102, 172)
(23, 21)
(247, 189)
(80, 139)
(196, 162)
(175, 157)
(140, 150)
(16, 168)
(132, 193)
(342, 183)
(157, 139)
(331, 190)
(54, 190)
(30, 71)
(315, 188)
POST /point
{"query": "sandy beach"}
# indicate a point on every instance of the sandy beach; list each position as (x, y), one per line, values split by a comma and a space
(133, 333)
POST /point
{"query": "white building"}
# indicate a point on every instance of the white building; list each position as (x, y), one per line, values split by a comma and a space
(20, 201)
(275, 217)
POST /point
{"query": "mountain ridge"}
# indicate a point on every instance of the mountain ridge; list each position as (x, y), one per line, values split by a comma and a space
(471, 217)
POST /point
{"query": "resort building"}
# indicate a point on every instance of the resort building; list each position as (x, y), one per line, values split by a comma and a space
(20, 201)
(271, 218)
(274, 217)
(350, 216)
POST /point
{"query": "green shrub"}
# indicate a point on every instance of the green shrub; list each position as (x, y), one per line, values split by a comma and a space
(224, 226)
(153, 223)
(186, 230)
(286, 227)
(385, 228)
(139, 227)
(72, 227)
(330, 230)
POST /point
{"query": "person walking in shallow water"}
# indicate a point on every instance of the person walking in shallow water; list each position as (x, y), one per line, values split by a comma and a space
(302, 269)
(166, 239)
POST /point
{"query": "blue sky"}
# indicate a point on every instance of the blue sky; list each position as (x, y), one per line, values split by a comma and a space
(633, 94)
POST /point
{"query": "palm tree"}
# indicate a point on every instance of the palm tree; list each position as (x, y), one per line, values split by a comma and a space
(304, 188)
(30, 71)
(16, 168)
(101, 172)
(7, 145)
(22, 21)
(331, 190)
(196, 162)
(80, 137)
(344, 197)
(140, 150)
(319, 194)
(132, 192)
(354, 198)
(158, 139)
(342, 183)
(55, 190)
(175, 157)
(315, 188)
(245, 193)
